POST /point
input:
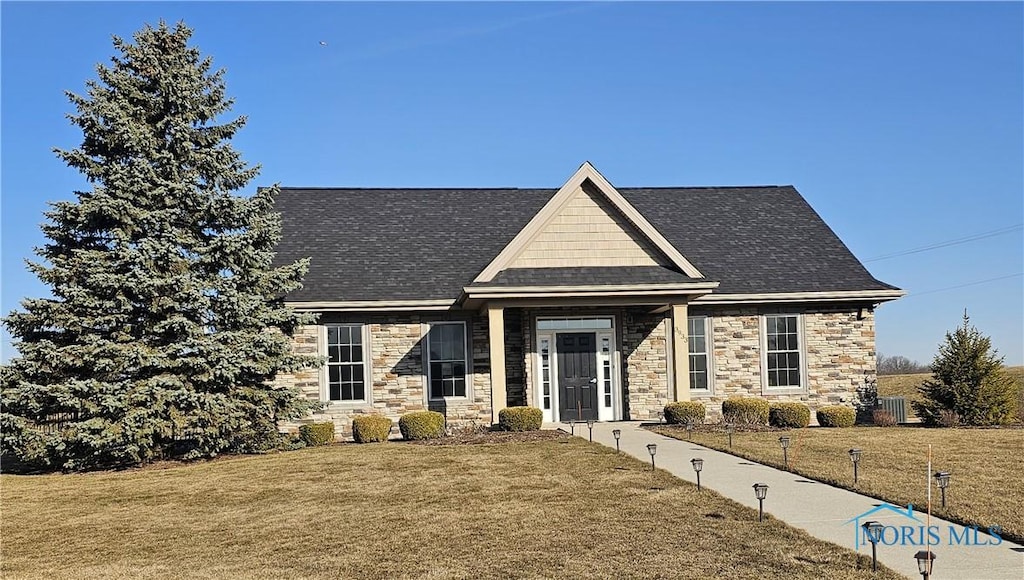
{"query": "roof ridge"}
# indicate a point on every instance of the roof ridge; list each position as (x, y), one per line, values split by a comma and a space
(628, 188)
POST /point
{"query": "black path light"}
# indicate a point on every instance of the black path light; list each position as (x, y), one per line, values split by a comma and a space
(590, 426)
(689, 430)
(729, 427)
(698, 464)
(616, 433)
(874, 532)
(784, 441)
(760, 492)
(652, 448)
(925, 561)
(572, 426)
(942, 478)
(855, 458)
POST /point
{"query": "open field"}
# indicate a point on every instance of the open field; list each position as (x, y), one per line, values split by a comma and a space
(906, 386)
(563, 508)
(986, 464)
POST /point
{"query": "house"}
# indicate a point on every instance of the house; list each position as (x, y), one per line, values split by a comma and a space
(589, 302)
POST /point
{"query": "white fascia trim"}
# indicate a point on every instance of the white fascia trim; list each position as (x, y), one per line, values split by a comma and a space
(373, 305)
(879, 295)
(591, 288)
(555, 204)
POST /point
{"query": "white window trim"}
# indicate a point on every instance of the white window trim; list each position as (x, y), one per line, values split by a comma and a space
(801, 348)
(709, 352)
(325, 386)
(425, 358)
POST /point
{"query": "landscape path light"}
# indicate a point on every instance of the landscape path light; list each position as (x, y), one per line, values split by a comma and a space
(590, 426)
(572, 426)
(616, 433)
(942, 478)
(652, 448)
(855, 458)
(874, 532)
(689, 430)
(784, 441)
(760, 492)
(729, 429)
(925, 560)
(698, 464)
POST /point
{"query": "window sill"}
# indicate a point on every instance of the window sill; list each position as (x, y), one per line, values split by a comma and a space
(783, 390)
(344, 404)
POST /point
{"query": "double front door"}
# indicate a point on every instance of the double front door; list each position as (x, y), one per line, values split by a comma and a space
(577, 375)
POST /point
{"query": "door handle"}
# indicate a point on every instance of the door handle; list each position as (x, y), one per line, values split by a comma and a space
(593, 381)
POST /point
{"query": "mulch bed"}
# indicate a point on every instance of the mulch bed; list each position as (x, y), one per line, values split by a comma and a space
(486, 437)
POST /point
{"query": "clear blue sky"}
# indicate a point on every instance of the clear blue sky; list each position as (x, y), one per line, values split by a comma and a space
(902, 124)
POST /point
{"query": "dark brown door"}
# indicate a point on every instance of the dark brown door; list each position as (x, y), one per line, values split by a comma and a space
(577, 376)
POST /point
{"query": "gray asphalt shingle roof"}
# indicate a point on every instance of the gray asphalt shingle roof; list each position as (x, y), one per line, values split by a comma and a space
(411, 244)
(602, 276)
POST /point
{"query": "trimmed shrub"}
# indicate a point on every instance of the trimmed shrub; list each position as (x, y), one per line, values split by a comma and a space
(683, 412)
(421, 425)
(836, 416)
(520, 418)
(789, 415)
(371, 428)
(883, 418)
(317, 434)
(745, 411)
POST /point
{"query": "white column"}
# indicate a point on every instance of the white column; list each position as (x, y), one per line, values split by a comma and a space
(496, 347)
(680, 352)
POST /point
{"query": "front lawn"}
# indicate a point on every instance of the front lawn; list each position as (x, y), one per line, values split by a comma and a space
(564, 508)
(986, 465)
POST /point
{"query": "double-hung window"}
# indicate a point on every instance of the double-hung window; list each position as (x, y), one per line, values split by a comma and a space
(699, 347)
(346, 366)
(782, 351)
(446, 359)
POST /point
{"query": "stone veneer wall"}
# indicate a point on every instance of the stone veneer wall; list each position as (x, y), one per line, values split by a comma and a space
(515, 363)
(645, 356)
(397, 380)
(839, 349)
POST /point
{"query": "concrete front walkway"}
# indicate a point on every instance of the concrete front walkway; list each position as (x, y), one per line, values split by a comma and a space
(821, 510)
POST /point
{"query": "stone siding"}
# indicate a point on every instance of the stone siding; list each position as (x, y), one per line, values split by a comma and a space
(397, 381)
(839, 356)
(645, 357)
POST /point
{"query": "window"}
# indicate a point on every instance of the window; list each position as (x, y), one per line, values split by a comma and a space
(699, 347)
(346, 368)
(545, 370)
(782, 351)
(446, 360)
(573, 323)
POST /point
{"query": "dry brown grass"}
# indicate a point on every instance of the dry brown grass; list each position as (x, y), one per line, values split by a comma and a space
(986, 465)
(906, 386)
(566, 509)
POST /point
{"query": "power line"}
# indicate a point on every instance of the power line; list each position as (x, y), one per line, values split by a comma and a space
(964, 285)
(945, 244)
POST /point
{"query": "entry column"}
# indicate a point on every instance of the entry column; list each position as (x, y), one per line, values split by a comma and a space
(680, 352)
(496, 347)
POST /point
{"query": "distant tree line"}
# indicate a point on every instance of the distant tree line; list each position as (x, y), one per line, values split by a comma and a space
(899, 365)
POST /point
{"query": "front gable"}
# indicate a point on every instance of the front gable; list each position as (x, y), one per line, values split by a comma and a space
(587, 224)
